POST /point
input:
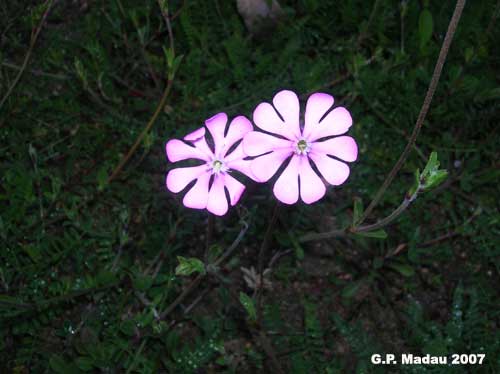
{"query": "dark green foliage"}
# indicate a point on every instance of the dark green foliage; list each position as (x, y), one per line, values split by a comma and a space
(86, 267)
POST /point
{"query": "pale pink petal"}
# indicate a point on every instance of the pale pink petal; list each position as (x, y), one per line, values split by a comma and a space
(202, 145)
(236, 154)
(244, 167)
(311, 186)
(286, 188)
(264, 167)
(287, 104)
(266, 118)
(234, 161)
(178, 179)
(197, 196)
(178, 150)
(335, 172)
(217, 201)
(196, 134)
(256, 143)
(234, 187)
(317, 105)
(343, 147)
(217, 126)
(237, 130)
(336, 122)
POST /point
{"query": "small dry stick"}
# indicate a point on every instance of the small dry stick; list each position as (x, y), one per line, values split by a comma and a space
(34, 38)
(423, 111)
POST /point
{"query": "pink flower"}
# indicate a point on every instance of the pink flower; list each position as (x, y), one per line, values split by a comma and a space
(213, 176)
(314, 142)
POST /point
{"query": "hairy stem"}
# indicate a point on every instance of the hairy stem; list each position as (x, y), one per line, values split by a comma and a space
(365, 228)
(423, 111)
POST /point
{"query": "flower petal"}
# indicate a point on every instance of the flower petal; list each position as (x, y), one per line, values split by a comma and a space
(235, 161)
(286, 188)
(266, 118)
(244, 167)
(312, 187)
(197, 196)
(335, 172)
(178, 150)
(178, 179)
(336, 122)
(234, 187)
(217, 126)
(238, 127)
(287, 104)
(317, 105)
(196, 134)
(217, 201)
(343, 147)
(256, 143)
(264, 167)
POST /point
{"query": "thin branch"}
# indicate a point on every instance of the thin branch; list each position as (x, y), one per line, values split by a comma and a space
(391, 217)
(37, 73)
(34, 38)
(423, 111)
(324, 235)
(366, 228)
(233, 246)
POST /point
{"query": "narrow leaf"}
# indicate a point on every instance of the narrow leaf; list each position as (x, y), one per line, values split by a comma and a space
(249, 305)
(377, 234)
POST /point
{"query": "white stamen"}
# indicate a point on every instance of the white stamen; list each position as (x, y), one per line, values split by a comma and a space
(302, 147)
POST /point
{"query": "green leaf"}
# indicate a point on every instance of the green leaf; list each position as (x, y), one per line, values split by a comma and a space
(416, 183)
(169, 57)
(142, 282)
(299, 251)
(378, 262)
(432, 164)
(102, 178)
(351, 289)
(432, 176)
(33, 251)
(404, 269)
(214, 252)
(58, 364)
(128, 327)
(377, 234)
(84, 363)
(435, 179)
(188, 266)
(249, 305)
(358, 210)
(413, 253)
(425, 26)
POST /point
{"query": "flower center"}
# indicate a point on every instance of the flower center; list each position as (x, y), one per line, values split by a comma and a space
(302, 147)
(217, 166)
